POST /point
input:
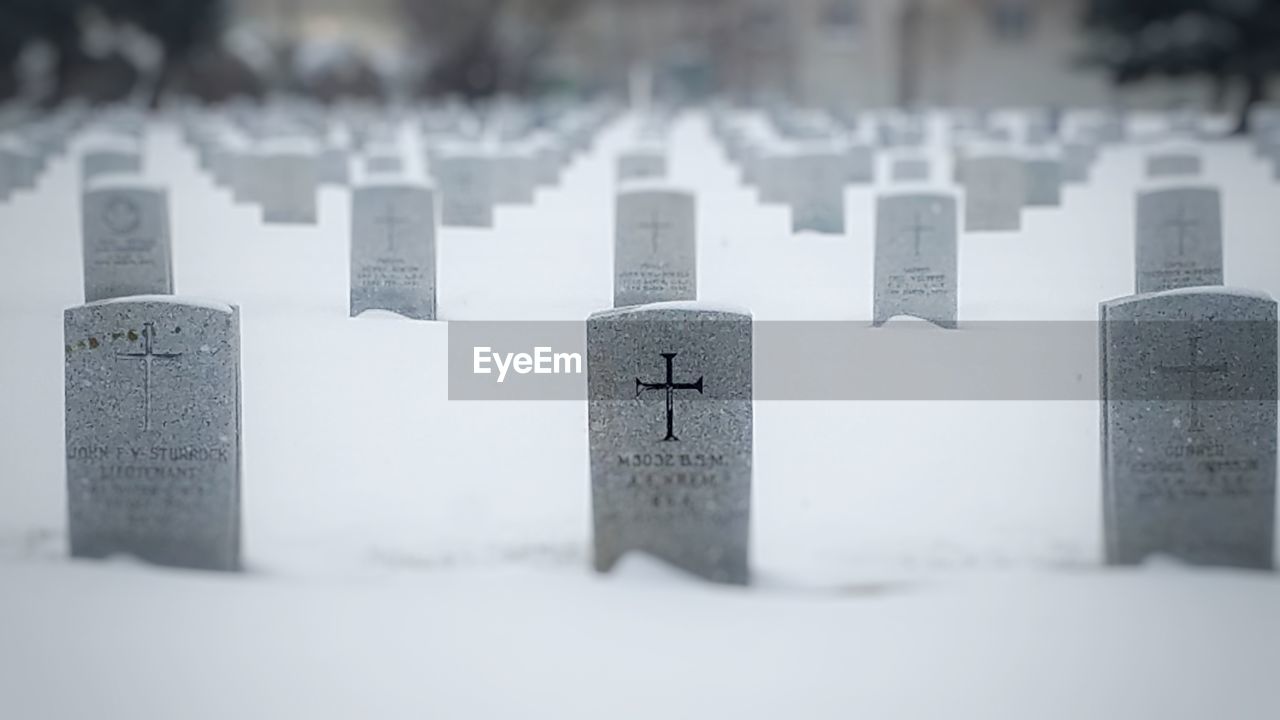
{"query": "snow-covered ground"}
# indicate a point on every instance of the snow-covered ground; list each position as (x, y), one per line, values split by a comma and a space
(411, 557)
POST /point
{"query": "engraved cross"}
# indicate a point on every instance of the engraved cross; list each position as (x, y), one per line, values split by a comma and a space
(1182, 223)
(655, 226)
(670, 387)
(1194, 371)
(393, 223)
(147, 356)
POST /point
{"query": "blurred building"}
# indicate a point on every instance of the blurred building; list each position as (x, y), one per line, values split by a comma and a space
(822, 52)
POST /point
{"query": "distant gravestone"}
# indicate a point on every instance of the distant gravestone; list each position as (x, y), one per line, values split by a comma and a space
(1077, 161)
(817, 193)
(383, 164)
(515, 178)
(1044, 182)
(860, 161)
(153, 431)
(1189, 427)
(109, 158)
(909, 169)
(1179, 239)
(642, 164)
(916, 268)
(126, 241)
(467, 190)
(1173, 165)
(670, 416)
(393, 250)
(995, 190)
(655, 256)
(287, 182)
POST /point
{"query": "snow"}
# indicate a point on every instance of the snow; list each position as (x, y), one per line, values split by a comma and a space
(412, 557)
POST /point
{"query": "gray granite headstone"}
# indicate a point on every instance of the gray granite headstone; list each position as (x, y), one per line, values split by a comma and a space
(1044, 182)
(153, 431)
(467, 190)
(1173, 165)
(670, 415)
(995, 189)
(1188, 389)
(655, 252)
(126, 241)
(916, 268)
(1179, 239)
(393, 250)
(817, 193)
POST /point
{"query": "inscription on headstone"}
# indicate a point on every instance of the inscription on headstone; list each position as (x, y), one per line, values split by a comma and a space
(153, 431)
(670, 416)
(1189, 427)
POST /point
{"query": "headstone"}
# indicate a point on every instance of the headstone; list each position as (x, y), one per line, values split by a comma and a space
(288, 181)
(995, 189)
(916, 268)
(655, 257)
(127, 249)
(467, 190)
(153, 431)
(909, 169)
(1173, 165)
(1044, 182)
(1179, 239)
(861, 164)
(393, 250)
(670, 418)
(642, 164)
(1188, 389)
(110, 158)
(817, 193)
(1077, 161)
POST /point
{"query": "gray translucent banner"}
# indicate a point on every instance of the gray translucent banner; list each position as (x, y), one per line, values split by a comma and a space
(839, 361)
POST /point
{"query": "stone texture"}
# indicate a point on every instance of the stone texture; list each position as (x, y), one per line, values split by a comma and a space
(916, 269)
(393, 250)
(670, 417)
(126, 244)
(153, 431)
(655, 256)
(1179, 239)
(1188, 383)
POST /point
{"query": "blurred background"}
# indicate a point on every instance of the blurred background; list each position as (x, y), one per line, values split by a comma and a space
(1217, 54)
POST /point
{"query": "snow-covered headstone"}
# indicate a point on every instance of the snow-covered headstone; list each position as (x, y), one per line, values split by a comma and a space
(153, 431)
(670, 417)
(646, 163)
(467, 189)
(1188, 389)
(288, 181)
(817, 181)
(1044, 182)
